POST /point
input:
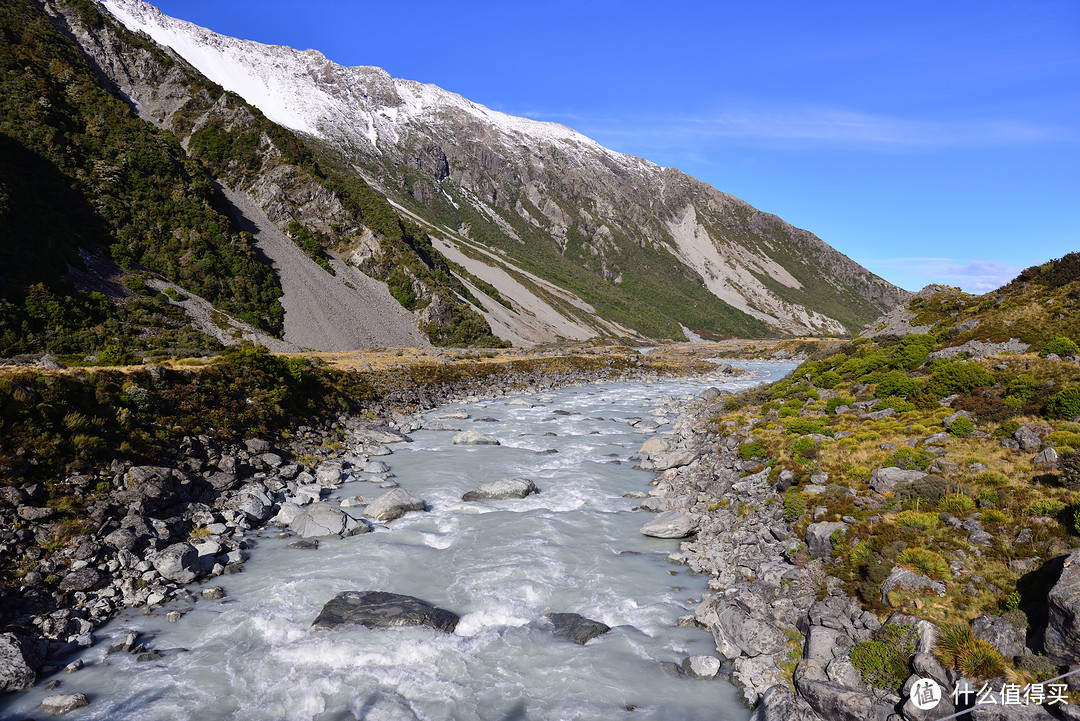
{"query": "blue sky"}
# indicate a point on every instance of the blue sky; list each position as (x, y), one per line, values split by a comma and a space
(932, 142)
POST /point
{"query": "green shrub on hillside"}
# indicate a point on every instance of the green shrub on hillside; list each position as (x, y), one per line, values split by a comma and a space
(1065, 403)
(881, 665)
(794, 505)
(751, 450)
(1062, 346)
(895, 383)
(962, 427)
(910, 459)
(949, 377)
(925, 562)
(833, 403)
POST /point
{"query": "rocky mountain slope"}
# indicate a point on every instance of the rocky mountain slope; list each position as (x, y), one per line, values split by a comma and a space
(622, 240)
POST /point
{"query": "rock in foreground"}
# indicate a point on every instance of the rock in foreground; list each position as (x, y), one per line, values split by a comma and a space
(325, 519)
(63, 703)
(670, 524)
(394, 504)
(473, 438)
(380, 609)
(501, 489)
(576, 627)
(1063, 631)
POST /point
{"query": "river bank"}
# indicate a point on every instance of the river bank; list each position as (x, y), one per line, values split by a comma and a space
(773, 535)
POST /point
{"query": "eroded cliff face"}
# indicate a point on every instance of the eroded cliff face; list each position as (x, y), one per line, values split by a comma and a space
(648, 247)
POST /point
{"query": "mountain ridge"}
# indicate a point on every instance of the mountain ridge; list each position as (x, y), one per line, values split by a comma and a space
(517, 181)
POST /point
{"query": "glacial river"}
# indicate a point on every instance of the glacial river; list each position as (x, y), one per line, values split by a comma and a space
(500, 565)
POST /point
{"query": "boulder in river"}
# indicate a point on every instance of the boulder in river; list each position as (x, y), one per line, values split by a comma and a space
(670, 524)
(394, 504)
(576, 627)
(501, 489)
(473, 438)
(326, 519)
(62, 703)
(380, 609)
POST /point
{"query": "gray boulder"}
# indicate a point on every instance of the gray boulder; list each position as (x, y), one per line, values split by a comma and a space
(84, 579)
(818, 537)
(779, 703)
(376, 467)
(501, 489)
(473, 438)
(1028, 439)
(833, 701)
(1063, 628)
(701, 667)
(330, 473)
(884, 480)
(288, 512)
(674, 459)
(63, 703)
(576, 627)
(380, 609)
(1000, 633)
(910, 580)
(740, 630)
(394, 504)
(379, 434)
(19, 660)
(325, 519)
(1046, 458)
(178, 562)
(670, 524)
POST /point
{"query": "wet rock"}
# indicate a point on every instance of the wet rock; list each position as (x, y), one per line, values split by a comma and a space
(576, 627)
(325, 519)
(63, 703)
(305, 545)
(394, 504)
(379, 609)
(701, 667)
(670, 524)
(212, 594)
(178, 562)
(19, 659)
(473, 438)
(1063, 629)
(501, 489)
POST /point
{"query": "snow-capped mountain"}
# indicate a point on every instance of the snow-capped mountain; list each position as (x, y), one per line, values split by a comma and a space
(521, 201)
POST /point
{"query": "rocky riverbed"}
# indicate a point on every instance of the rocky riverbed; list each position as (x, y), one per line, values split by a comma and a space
(191, 517)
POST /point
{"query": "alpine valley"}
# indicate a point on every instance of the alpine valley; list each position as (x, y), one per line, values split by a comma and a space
(278, 197)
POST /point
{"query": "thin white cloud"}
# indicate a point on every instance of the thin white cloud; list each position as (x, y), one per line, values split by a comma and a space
(974, 276)
(818, 127)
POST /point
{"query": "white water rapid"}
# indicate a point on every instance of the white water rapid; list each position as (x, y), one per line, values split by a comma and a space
(500, 565)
